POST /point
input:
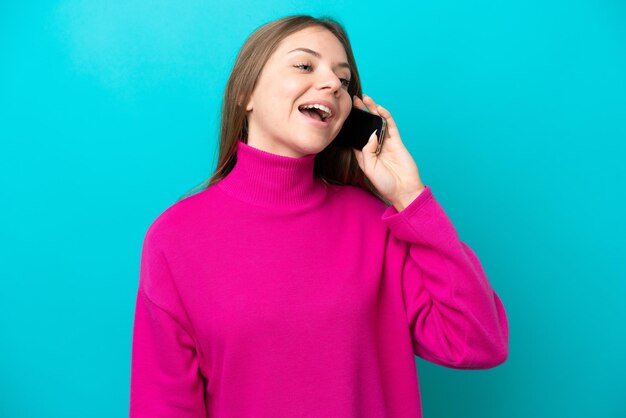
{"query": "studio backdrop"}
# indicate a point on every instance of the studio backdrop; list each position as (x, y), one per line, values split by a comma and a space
(513, 111)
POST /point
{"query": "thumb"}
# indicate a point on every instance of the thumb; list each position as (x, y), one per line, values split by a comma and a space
(369, 150)
(365, 155)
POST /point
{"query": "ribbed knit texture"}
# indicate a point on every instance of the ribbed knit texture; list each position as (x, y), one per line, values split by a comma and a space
(273, 294)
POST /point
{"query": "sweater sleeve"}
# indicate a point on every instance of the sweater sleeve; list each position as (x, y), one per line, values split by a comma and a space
(455, 317)
(165, 375)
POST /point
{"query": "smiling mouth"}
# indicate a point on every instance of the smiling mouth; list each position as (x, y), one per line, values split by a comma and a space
(315, 120)
(315, 112)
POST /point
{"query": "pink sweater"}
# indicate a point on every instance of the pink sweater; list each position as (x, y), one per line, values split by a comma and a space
(274, 294)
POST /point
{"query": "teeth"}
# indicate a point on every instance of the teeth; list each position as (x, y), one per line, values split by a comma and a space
(326, 110)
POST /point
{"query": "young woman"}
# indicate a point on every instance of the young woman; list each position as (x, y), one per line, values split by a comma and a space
(305, 277)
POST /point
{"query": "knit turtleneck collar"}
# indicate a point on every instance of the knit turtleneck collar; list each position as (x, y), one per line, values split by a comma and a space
(273, 181)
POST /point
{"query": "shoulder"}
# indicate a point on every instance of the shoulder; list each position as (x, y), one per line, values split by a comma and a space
(180, 217)
(357, 198)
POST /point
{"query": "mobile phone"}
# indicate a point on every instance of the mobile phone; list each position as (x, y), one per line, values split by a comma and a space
(358, 127)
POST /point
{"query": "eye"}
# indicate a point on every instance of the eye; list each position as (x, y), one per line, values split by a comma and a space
(345, 82)
(301, 66)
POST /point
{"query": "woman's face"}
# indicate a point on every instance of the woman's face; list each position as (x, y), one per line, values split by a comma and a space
(309, 67)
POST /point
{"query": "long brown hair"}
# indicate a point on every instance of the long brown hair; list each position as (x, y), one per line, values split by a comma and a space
(333, 165)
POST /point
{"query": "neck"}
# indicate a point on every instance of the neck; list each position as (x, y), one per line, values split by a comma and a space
(273, 181)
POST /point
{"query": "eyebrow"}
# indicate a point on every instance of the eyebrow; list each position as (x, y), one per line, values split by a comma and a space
(318, 55)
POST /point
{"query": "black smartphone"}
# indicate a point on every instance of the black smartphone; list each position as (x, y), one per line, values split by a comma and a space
(358, 127)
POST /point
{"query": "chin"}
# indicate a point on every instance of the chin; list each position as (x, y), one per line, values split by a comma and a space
(310, 144)
(312, 148)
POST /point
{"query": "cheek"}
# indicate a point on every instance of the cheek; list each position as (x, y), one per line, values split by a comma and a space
(291, 88)
(346, 104)
(278, 88)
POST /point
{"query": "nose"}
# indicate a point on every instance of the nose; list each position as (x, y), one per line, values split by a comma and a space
(328, 80)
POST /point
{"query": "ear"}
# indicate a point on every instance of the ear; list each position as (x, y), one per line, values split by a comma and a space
(248, 106)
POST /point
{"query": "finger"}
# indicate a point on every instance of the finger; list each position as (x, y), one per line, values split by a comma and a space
(392, 128)
(366, 157)
(358, 103)
(369, 151)
(371, 105)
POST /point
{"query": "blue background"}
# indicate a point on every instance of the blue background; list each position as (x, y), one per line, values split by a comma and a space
(514, 112)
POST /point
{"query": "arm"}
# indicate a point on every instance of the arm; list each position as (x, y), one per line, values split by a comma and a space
(455, 317)
(165, 376)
